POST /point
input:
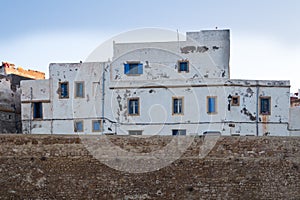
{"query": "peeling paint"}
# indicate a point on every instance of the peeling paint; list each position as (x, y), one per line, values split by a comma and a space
(249, 114)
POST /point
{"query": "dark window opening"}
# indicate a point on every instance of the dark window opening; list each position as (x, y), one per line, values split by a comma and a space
(37, 110)
(179, 132)
(235, 101)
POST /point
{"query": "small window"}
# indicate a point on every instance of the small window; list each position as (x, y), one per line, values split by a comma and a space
(96, 89)
(211, 105)
(179, 132)
(177, 105)
(235, 101)
(79, 89)
(64, 90)
(135, 132)
(265, 105)
(133, 68)
(97, 125)
(183, 66)
(37, 110)
(78, 126)
(133, 106)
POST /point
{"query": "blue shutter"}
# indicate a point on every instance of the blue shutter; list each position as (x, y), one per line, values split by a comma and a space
(211, 105)
(79, 126)
(96, 126)
(80, 90)
(136, 107)
(126, 68)
(140, 68)
(130, 106)
(175, 106)
(179, 106)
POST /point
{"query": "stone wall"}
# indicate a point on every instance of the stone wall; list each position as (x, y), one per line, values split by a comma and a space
(57, 167)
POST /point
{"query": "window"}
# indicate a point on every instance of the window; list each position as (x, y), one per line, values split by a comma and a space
(183, 66)
(177, 105)
(97, 125)
(179, 132)
(133, 68)
(97, 89)
(37, 110)
(133, 106)
(265, 105)
(235, 101)
(135, 132)
(79, 89)
(78, 126)
(211, 105)
(64, 90)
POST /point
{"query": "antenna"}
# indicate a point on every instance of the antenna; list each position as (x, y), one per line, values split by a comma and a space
(178, 40)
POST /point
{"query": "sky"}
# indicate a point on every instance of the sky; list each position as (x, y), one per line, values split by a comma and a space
(265, 34)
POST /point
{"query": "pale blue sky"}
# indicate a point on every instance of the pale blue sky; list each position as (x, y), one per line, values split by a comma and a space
(265, 34)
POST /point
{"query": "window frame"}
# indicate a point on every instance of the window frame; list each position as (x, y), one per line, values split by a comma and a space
(100, 125)
(207, 105)
(140, 68)
(130, 131)
(188, 66)
(128, 106)
(75, 126)
(260, 105)
(235, 104)
(41, 111)
(76, 83)
(178, 131)
(60, 90)
(182, 105)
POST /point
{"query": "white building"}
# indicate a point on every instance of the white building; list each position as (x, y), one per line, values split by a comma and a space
(179, 87)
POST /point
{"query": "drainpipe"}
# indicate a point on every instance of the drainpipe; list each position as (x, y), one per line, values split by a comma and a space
(257, 99)
(103, 94)
(31, 107)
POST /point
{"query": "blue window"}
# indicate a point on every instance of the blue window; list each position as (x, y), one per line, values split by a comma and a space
(78, 126)
(179, 132)
(37, 110)
(133, 68)
(79, 89)
(183, 66)
(177, 105)
(133, 106)
(211, 104)
(265, 105)
(64, 90)
(96, 125)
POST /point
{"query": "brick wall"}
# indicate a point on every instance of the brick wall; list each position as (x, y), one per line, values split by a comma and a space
(56, 167)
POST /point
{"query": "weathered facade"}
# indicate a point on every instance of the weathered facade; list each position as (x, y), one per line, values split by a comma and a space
(168, 88)
(10, 96)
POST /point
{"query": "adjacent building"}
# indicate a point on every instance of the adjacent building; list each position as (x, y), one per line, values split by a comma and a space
(166, 88)
(10, 96)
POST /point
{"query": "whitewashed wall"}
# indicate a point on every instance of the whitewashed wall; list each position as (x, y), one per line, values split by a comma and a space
(160, 81)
